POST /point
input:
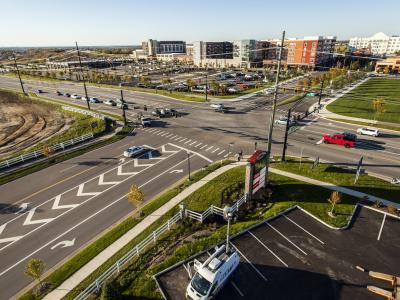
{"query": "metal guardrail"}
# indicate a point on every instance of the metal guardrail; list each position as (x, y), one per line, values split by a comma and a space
(116, 268)
(39, 153)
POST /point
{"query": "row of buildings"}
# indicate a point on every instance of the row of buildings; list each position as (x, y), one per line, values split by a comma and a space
(310, 51)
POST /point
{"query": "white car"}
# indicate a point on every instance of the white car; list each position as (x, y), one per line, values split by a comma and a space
(75, 96)
(283, 121)
(216, 105)
(110, 102)
(368, 131)
(134, 151)
(84, 98)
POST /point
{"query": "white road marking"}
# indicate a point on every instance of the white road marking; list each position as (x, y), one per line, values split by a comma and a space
(215, 150)
(188, 141)
(177, 138)
(270, 251)
(305, 230)
(160, 133)
(156, 131)
(198, 145)
(191, 151)
(203, 146)
(124, 146)
(219, 153)
(164, 134)
(63, 170)
(380, 230)
(237, 289)
(248, 261)
(281, 234)
(183, 140)
(192, 143)
(226, 155)
(83, 221)
(209, 148)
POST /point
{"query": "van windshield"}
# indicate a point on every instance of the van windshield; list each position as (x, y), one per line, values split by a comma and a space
(200, 284)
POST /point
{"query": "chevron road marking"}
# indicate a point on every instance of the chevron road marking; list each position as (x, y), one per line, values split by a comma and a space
(28, 220)
(102, 182)
(80, 192)
(191, 151)
(56, 204)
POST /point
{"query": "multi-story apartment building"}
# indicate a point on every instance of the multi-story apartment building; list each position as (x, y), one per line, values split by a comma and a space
(379, 44)
(212, 54)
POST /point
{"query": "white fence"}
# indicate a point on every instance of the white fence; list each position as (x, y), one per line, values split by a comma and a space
(83, 111)
(95, 286)
(39, 153)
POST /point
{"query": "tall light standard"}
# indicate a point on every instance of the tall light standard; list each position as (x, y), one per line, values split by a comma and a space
(123, 107)
(83, 76)
(228, 216)
(19, 75)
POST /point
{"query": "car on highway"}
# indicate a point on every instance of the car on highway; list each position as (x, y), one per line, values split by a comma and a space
(67, 95)
(59, 93)
(40, 91)
(216, 105)
(134, 151)
(122, 105)
(368, 131)
(94, 100)
(75, 96)
(221, 110)
(110, 102)
(338, 139)
(146, 122)
(84, 98)
(283, 120)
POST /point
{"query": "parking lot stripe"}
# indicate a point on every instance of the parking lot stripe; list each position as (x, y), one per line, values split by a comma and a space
(192, 143)
(237, 289)
(198, 145)
(174, 136)
(216, 149)
(249, 262)
(209, 148)
(177, 138)
(188, 141)
(380, 230)
(266, 247)
(169, 135)
(164, 134)
(277, 231)
(226, 155)
(219, 153)
(183, 140)
(204, 146)
(305, 230)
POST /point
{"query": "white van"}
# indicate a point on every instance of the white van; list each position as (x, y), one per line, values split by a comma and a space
(368, 131)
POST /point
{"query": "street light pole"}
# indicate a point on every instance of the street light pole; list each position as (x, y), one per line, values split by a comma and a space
(19, 75)
(123, 107)
(320, 93)
(283, 158)
(206, 84)
(83, 76)
(188, 160)
(271, 122)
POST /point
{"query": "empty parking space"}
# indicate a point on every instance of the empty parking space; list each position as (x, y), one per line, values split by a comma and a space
(294, 256)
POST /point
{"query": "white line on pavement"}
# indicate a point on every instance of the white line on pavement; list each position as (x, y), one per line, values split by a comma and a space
(161, 132)
(123, 146)
(192, 143)
(191, 151)
(188, 141)
(270, 251)
(183, 140)
(226, 155)
(156, 131)
(63, 170)
(219, 153)
(305, 230)
(198, 145)
(249, 262)
(380, 230)
(237, 289)
(215, 150)
(84, 220)
(276, 230)
(177, 138)
(165, 133)
(209, 148)
(203, 146)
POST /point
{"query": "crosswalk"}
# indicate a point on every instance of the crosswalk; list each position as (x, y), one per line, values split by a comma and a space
(216, 150)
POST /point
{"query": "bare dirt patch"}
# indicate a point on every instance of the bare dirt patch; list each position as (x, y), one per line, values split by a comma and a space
(26, 123)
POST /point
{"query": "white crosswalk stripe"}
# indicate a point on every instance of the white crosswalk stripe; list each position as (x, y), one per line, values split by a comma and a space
(192, 143)
(226, 155)
(203, 146)
(215, 150)
(219, 153)
(209, 148)
(198, 145)
(188, 141)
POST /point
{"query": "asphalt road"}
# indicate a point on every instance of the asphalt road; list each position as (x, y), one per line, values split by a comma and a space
(80, 198)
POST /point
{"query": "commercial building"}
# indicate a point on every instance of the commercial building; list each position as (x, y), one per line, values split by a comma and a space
(163, 50)
(212, 54)
(379, 44)
(389, 65)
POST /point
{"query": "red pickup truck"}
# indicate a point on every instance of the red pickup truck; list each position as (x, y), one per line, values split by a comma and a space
(339, 139)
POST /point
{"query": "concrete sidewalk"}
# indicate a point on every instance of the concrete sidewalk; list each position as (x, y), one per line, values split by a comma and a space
(333, 187)
(111, 250)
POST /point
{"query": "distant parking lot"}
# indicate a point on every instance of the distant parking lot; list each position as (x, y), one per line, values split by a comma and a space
(296, 257)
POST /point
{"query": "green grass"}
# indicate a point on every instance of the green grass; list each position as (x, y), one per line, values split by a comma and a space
(60, 157)
(291, 99)
(342, 177)
(84, 256)
(359, 102)
(377, 125)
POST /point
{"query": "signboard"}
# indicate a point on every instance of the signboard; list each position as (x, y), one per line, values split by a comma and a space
(259, 180)
(358, 169)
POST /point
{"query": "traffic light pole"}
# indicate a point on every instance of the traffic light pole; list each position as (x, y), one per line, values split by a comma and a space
(83, 76)
(283, 158)
(123, 107)
(271, 120)
(320, 93)
(19, 75)
(206, 85)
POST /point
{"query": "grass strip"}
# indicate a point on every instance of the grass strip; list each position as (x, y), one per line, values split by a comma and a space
(377, 125)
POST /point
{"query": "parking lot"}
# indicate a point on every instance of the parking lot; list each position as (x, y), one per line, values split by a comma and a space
(296, 257)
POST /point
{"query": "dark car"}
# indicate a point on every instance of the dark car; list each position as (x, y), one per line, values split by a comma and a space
(67, 95)
(349, 136)
(59, 93)
(40, 91)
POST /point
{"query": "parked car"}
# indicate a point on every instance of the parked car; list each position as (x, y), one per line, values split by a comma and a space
(75, 96)
(338, 139)
(134, 151)
(110, 102)
(216, 105)
(368, 131)
(94, 100)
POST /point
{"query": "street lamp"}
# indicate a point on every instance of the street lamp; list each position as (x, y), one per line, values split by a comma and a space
(228, 215)
(123, 107)
(19, 75)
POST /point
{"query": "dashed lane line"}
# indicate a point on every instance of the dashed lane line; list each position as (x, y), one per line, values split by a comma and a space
(192, 143)
(188, 141)
(209, 148)
(198, 145)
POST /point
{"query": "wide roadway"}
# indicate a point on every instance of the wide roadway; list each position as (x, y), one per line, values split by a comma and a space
(80, 198)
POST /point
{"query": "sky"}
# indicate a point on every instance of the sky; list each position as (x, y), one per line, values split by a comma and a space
(123, 22)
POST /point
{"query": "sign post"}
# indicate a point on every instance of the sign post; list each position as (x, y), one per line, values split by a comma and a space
(358, 169)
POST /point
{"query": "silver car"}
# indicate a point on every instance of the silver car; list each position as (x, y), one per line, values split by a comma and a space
(134, 151)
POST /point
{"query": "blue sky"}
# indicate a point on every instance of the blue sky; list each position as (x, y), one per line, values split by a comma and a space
(123, 22)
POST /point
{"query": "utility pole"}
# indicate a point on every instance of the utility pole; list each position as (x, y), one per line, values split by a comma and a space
(320, 93)
(206, 84)
(19, 75)
(283, 158)
(188, 160)
(123, 107)
(83, 77)
(271, 122)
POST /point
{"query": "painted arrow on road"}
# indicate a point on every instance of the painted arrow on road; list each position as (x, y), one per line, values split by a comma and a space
(121, 160)
(22, 208)
(176, 171)
(64, 244)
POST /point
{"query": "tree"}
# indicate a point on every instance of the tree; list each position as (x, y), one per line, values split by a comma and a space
(190, 83)
(335, 198)
(145, 80)
(215, 86)
(386, 70)
(34, 269)
(110, 291)
(47, 150)
(135, 195)
(379, 106)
